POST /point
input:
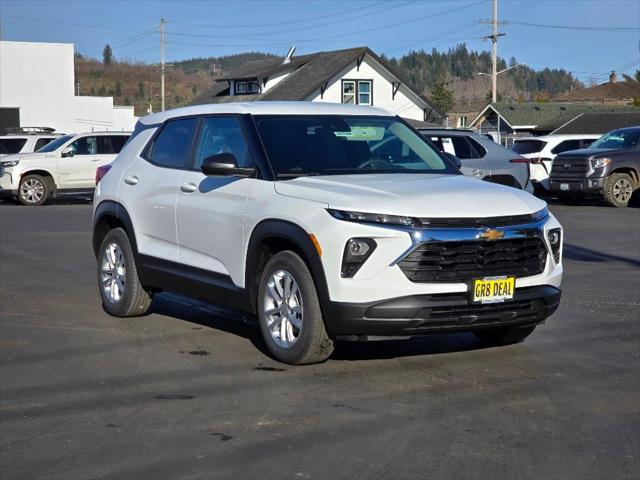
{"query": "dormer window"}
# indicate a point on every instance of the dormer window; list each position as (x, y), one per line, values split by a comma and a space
(247, 87)
(357, 91)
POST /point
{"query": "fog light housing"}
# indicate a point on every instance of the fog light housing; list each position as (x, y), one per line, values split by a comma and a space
(356, 252)
(555, 241)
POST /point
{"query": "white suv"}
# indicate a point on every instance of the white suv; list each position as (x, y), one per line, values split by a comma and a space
(25, 140)
(66, 165)
(283, 209)
(541, 151)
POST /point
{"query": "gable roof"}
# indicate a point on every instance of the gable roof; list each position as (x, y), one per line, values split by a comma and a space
(603, 92)
(545, 116)
(599, 123)
(310, 73)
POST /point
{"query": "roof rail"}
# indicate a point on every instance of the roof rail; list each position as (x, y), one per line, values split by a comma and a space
(26, 130)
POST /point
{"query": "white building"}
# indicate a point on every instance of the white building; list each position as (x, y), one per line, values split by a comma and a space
(355, 75)
(37, 83)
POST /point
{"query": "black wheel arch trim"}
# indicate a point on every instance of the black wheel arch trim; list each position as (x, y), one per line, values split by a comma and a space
(110, 208)
(291, 232)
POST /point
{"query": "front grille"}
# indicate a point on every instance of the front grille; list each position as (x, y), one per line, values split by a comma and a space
(569, 169)
(475, 312)
(460, 261)
(479, 222)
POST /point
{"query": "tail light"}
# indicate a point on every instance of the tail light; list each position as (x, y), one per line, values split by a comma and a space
(519, 160)
(101, 172)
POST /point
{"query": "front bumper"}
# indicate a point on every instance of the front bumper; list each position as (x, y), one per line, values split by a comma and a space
(583, 185)
(437, 313)
(7, 187)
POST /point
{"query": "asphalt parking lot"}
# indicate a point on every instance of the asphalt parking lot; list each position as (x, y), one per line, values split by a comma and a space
(188, 392)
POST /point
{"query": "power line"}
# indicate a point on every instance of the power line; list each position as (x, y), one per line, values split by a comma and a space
(274, 24)
(597, 28)
(68, 24)
(278, 32)
(342, 35)
(458, 29)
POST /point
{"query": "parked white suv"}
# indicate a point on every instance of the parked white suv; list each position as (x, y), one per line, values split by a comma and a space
(25, 140)
(282, 209)
(66, 165)
(541, 151)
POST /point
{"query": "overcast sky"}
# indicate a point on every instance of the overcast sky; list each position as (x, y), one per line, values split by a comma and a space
(393, 27)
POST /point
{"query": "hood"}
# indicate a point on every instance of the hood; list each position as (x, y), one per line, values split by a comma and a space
(27, 156)
(590, 152)
(414, 195)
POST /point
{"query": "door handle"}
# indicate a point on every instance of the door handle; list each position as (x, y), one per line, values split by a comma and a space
(188, 187)
(131, 180)
(95, 159)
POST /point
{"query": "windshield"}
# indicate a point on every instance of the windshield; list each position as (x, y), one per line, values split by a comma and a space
(625, 139)
(524, 147)
(57, 143)
(341, 145)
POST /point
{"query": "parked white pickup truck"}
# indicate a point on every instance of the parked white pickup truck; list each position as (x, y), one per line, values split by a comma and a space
(66, 165)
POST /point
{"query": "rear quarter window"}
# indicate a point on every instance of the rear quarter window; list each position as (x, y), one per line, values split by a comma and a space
(524, 147)
(11, 145)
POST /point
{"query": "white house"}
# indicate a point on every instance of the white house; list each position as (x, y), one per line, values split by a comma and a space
(37, 83)
(355, 75)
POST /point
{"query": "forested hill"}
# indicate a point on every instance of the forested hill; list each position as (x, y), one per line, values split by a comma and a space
(211, 64)
(458, 68)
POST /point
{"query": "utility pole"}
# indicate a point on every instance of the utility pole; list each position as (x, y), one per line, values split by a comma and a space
(162, 22)
(494, 51)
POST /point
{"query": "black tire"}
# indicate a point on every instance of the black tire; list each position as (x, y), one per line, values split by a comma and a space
(135, 300)
(34, 190)
(570, 198)
(618, 189)
(503, 336)
(312, 344)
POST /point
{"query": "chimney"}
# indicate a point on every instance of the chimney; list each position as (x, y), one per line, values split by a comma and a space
(287, 59)
(613, 78)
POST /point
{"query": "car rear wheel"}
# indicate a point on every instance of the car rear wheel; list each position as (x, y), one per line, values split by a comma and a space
(503, 336)
(121, 292)
(618, 189)
(289, 312)
(33, 190)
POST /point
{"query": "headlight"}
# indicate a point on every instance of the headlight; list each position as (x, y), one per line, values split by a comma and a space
(600, 162)
(555, 240)
(356, 252)
(11, 163)
(374, 218)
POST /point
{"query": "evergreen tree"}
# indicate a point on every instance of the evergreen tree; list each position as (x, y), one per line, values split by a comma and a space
(107, 55)
(441, 96)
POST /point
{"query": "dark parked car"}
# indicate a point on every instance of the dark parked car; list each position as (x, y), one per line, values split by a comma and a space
(609, 167)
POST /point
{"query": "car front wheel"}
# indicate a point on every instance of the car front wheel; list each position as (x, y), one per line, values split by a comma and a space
(618, 189)
(289, 312)
(33, 190)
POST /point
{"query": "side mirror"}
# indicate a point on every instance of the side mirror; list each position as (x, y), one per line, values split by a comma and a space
(455, 160)
(224, 164)
(68, 152)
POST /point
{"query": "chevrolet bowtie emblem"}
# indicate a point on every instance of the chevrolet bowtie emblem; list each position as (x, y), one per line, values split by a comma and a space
(491, 234)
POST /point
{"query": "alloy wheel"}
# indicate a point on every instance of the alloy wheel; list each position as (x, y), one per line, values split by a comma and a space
(283, 308)
(114, 272)
(32, 190)
(622, 190)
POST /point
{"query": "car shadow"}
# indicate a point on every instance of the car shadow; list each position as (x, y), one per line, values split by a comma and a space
(59, 200)
(239, 323)
(583, 254)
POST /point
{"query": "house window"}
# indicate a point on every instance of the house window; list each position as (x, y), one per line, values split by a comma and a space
(357, 92)
(462, 121)
(364, 93)
(244, 88)
(348, 91)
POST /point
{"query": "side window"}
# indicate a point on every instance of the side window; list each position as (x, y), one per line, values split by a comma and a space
(171, 146)
(222, 135)
(11, 145)
(566, 146)
(85, 146)
(586, 142)
(465, 150)
(111, 144)
(41, 142)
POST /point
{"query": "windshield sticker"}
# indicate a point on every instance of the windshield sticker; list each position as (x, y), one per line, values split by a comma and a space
(366, 134)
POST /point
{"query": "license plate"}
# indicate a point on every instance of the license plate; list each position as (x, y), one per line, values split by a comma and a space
(564, 186)
(493, 289)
